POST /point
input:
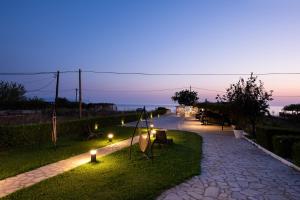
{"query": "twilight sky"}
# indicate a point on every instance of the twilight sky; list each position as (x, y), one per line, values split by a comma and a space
(166, 36)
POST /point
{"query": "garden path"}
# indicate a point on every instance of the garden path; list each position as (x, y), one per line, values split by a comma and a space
(12, 184)
(231, 168)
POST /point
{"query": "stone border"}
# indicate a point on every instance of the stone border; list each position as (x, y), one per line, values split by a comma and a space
(284, 161)
(26, 179)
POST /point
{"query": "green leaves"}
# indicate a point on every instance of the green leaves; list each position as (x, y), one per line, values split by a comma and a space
(185, 97)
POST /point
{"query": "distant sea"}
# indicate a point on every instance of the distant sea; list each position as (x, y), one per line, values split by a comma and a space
(149, 107)
(274, 110)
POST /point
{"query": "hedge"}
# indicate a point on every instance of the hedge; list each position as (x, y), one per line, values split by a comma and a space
(296, 153)
(264, 135)
(282, 145)
(35, 134)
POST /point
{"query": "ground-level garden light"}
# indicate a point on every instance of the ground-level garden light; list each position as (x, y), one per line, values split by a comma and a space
(153, 132)
(93, 155)
(151, 116)
(122, 122)
(96, 126)
(151, 125)
(157, 115)
(110, 137)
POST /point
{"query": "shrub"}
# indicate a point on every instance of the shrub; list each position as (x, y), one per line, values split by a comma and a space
(296, 153)
(34, 134)
(282, 145)
(265, 134)
(24, 135)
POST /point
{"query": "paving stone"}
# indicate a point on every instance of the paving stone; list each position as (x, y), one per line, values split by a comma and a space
(236, 168)
(211, 192)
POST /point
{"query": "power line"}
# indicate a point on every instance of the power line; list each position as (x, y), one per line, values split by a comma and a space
(43, 87)
(286, 96)
(210, 90)
(25, 74)
(149, 74)
(33, 73)
(191, 74)
(158, 90)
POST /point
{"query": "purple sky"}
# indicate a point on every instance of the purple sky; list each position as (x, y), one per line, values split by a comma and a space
(169, 36)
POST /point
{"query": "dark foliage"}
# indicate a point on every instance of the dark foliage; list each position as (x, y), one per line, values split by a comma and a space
(296, 153)
(265, 135)
(294, 108)
(185, 97)
(248, 101)
(36, 134)
(282, 144)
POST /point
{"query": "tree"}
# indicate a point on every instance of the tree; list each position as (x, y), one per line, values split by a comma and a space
(294, 108)
(248, 101)
(11, 92)
(185, 97)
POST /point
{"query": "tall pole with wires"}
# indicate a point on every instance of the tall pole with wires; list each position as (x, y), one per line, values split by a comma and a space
(76, 94)
(80, 95)
(54, 132)
(56, 89)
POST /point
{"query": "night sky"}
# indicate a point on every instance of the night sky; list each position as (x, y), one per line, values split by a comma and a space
(166, 36)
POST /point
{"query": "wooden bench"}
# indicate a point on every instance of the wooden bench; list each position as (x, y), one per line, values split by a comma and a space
(161, 138)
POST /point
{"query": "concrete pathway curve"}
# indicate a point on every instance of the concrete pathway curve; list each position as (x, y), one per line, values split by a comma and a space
(12, 184)
(231, 168)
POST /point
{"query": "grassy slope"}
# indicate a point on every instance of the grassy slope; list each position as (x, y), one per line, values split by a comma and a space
(22, 159)
(116, 177)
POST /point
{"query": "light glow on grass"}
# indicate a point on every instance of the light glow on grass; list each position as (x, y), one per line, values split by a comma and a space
(120, 178)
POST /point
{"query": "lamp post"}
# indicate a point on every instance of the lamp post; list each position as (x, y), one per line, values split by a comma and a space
(110, 137)
(93, 155)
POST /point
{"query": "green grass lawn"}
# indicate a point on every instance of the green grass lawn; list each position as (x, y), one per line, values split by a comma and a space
(117, 177)
(18, 160)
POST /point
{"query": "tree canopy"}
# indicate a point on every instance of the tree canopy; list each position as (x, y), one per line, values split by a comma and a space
(185, 97)
(292, 107)
(11, 92)
(248, 100)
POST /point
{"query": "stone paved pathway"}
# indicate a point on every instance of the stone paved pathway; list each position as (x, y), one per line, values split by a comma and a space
(26, 179)
(232, 169)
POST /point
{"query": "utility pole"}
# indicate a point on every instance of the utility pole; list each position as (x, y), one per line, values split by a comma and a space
(190, 88)
(54, 131)
(80, 95)
(56, 91)
(76, 92)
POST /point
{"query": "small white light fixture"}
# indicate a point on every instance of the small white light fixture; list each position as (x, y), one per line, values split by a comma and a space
(145, 136)
(110, 137)
(93, 155)
(122, 122)
(96, 126)
(151, 125)
(151, 116)
(153, 131)
(157, 115)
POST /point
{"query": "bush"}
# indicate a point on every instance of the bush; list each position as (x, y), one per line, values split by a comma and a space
(264, 135)
(282, 145)
(35, 134)
(296, 153)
